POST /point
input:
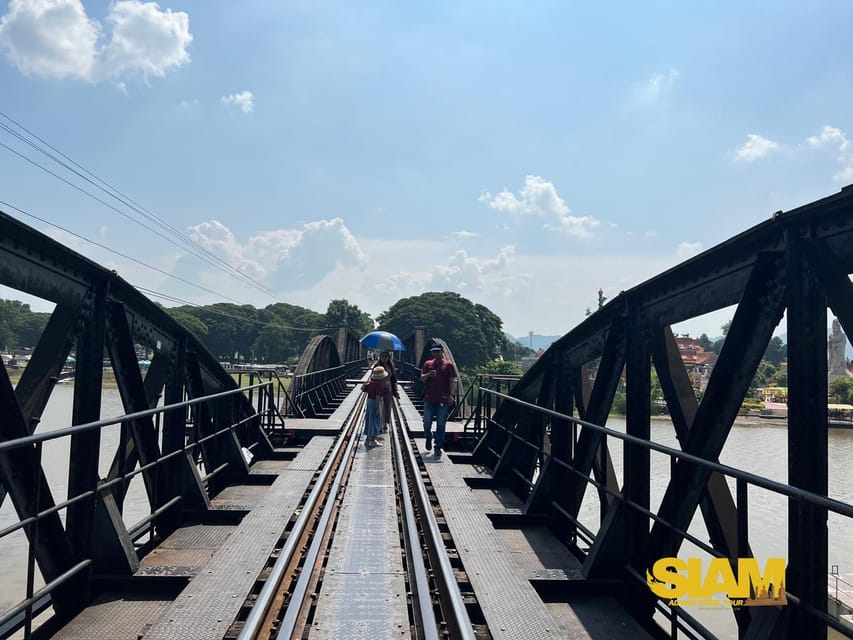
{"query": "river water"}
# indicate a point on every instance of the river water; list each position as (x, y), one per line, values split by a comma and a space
(758, 446)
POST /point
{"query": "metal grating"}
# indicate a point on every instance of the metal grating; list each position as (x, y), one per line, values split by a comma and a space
(114, 617)
(363, 594)
(499, 564)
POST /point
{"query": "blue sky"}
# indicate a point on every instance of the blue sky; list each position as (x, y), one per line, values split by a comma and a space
(523, 154)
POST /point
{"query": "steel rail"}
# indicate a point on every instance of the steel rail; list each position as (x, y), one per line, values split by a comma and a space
(259, 612)
(419, 580)
(452, 603)
(288, 627)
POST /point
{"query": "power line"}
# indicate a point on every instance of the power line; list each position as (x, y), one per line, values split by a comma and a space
(186, 243)
(118, 253)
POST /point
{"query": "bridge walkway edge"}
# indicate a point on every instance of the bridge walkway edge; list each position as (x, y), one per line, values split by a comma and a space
(206, 607)
(502, 562)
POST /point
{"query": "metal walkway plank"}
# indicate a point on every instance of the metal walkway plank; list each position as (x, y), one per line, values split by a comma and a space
(363, 594)
(500, 564)
(205, 609)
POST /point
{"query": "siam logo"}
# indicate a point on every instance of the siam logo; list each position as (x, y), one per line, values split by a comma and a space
(684, 583)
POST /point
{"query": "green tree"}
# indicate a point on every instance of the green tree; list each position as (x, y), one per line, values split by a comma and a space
(706, 343)
(765, 375)
(19, 326)
(781, 377)
(275, 344)
(231, 328)
(513, 351)
(340, 313)
(501, 368)
(777, 351)
(189, 321)
(299, 326)
(841, 390)
(472, 331)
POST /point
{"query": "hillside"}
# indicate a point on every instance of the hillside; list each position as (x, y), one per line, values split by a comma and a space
(537, 342)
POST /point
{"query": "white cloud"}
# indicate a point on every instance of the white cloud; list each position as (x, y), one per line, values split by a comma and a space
(661, 83)
(538, 197)
(56, 39)
(284, 259)
(655, 87)
(51, 38)
(829, 137)
(755, 147)
(464, 234)
(688, 249)
(464, 273)
(146, 39)
(244, 100)
(833, 139)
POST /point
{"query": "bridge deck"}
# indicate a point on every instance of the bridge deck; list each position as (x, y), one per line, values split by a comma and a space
(222, 562)
(195, 582)
(363, 593)
(502, 562)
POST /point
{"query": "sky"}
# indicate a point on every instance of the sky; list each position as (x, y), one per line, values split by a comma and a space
(523, 154)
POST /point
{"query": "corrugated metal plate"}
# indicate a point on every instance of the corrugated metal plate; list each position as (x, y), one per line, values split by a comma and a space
(269, 466)
(114, 617)
(198, 536)
(499, 564)
(243, 497)
(312, 455)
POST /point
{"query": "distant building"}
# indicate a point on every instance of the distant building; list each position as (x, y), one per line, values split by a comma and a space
(528, 361)
(698, 362)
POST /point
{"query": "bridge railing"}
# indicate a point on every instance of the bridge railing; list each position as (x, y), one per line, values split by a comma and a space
(485, 405)
(274, 400)
(177, 482)
(313, 393)
(559, 426)
(460, 411)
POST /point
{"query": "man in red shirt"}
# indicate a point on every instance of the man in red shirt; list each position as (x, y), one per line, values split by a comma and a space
(439, 377)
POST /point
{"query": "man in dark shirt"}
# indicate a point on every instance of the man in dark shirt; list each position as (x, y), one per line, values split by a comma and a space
(438, 376)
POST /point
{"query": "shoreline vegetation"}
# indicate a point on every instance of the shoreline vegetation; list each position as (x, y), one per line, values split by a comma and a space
(109, 379)
(747, 418)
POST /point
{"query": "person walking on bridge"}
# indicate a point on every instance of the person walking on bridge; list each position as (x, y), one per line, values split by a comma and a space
(386, 361)
(375, 388)
(439, 377)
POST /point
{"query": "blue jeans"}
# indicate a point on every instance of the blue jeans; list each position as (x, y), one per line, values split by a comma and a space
(372, 418)
(439, 412)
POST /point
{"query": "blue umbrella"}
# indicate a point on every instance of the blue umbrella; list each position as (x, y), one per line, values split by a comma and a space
(382, 341)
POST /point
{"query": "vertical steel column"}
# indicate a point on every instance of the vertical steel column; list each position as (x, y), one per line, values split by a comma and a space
(636, 486)
(807, 440)
(85, 447)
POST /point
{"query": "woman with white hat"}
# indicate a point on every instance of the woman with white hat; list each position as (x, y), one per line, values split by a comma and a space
(375, 388)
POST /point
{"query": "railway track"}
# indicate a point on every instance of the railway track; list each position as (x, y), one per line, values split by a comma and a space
(406, 580)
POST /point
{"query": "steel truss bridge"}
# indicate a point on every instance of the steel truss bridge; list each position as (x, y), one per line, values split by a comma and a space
(266, 517)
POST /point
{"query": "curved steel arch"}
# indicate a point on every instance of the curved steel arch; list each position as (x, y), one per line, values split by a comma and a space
(320, 354)
(319, 377)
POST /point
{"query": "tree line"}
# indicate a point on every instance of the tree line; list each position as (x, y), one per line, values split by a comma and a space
(278, 333)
